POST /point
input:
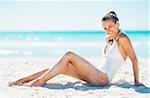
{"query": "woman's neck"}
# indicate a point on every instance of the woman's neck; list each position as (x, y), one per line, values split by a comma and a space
(117, 34)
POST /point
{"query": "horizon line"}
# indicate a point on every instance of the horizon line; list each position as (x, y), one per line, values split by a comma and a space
(68, 30)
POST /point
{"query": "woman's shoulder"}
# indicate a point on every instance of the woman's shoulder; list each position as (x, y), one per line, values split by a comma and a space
(123, 37)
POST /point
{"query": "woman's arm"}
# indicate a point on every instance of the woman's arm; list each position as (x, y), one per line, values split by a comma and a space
(127, 46)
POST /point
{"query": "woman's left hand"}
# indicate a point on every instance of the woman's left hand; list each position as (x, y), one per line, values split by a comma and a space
(138, 84)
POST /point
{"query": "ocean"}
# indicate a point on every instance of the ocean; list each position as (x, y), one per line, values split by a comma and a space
(54, 44)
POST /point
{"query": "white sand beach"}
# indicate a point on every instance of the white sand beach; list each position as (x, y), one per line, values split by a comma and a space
(67, 87)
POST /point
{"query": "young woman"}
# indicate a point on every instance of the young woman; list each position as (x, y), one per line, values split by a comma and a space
(118, 48)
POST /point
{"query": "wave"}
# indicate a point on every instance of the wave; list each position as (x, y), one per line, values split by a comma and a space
(51, 44)
(59, 44)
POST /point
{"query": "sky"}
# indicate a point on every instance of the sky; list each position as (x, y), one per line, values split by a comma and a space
(71, 15)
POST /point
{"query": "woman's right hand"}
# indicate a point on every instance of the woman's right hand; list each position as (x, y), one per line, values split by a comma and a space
(138, 84)
(109, 38)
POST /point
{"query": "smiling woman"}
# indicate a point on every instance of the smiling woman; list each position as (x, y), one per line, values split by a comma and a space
(35, 34)
(75, 66)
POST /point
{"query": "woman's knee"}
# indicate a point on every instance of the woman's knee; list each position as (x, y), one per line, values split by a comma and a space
(69, 54)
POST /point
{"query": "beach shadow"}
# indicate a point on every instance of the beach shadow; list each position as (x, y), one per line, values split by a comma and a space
(139, 89)
(74, 85)
(79, 86)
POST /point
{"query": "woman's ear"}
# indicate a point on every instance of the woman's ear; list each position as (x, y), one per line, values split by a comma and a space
(117, 23)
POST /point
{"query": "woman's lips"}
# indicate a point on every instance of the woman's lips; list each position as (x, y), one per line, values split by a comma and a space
(109, 33)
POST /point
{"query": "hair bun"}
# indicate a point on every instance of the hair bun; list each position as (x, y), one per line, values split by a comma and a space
(113, 13)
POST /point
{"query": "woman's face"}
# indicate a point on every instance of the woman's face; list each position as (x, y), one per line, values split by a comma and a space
(110, 27)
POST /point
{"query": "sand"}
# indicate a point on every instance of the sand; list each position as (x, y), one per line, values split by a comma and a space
(67, 87)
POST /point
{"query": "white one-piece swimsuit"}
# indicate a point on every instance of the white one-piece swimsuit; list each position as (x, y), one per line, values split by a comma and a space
(113, 60)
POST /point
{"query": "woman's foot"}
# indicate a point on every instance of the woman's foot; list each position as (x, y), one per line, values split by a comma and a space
(14, 83)
(38, 82)
(18, 82)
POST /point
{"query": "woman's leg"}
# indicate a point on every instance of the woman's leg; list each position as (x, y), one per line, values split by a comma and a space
(28, 78)
(69, 71)
(85, 70)
(72, 72)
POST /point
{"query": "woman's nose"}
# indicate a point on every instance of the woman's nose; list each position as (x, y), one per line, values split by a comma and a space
(108, 31)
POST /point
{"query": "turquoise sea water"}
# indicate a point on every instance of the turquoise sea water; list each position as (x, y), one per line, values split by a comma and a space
(52, 44)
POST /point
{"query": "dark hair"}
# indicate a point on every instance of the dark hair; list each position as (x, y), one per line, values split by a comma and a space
(111, 15)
